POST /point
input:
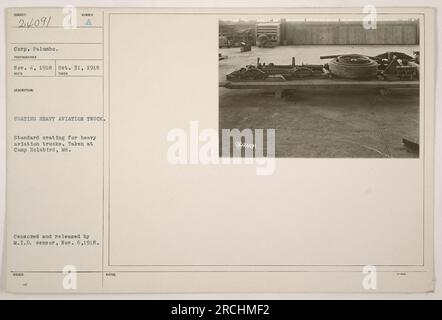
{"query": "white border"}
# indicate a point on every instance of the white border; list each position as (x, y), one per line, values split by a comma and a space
(437, 294)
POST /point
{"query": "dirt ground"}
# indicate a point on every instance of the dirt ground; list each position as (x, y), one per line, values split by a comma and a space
(321, 123)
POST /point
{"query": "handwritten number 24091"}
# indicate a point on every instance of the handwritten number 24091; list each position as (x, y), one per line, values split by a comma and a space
(41, 22)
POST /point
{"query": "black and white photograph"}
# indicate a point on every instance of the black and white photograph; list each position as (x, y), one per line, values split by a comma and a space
(335, 88)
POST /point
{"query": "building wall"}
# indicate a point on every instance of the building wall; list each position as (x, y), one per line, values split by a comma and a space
(348, 33)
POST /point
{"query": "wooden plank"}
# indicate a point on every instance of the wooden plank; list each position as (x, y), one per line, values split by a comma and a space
(389, 37)
(410, 32)
(319, 83)
(342, 35)
(412, 144)
(370, 36)
(380, 34)
(397, 35)
(316, 33)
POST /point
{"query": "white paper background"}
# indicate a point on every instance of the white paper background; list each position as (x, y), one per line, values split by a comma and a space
(214, 4)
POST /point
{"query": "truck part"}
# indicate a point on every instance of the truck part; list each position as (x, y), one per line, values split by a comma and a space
(398, 66)
(353, 66)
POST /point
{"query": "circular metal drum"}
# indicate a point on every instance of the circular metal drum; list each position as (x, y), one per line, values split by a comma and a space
(353, 66)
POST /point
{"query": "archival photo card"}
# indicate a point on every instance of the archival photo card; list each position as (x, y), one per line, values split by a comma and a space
(271, 150)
